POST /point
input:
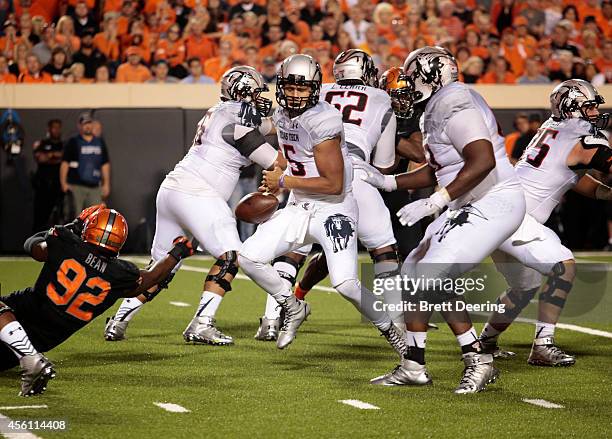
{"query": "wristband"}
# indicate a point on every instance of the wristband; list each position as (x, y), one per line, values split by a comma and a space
(390, 183)
(440, 198)
(281, 181)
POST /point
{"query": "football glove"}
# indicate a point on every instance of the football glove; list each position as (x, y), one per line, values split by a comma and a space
(412, 213)
(77, 225)
(374, 177)
(183, 247)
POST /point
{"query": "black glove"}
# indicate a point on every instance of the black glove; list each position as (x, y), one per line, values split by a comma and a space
(183, 247)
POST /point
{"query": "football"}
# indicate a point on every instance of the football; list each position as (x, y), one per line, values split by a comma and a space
(256, 207)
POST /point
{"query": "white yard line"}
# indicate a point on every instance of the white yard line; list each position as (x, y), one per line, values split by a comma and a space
(543, 403)
(358, 404)
(19, 407)
(10, 433)
(169, 407)
(180, 304)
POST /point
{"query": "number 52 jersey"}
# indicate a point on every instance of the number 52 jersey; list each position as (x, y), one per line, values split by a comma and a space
(542, 169)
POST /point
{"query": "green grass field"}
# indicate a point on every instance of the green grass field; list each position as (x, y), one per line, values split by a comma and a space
(251, 389)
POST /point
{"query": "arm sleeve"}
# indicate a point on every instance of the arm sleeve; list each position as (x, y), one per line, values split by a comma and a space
(33, 240)
(465, 127)
(250, 143)
(384, 154)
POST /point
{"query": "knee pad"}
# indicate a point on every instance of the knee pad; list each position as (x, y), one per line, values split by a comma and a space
(4, 308)
(226, 266)
(389, 260)
(351, 289)
(520, 299)
(285, 273)
(554, 283)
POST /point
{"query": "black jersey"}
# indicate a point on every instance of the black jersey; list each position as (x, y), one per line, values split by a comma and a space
(75, 285)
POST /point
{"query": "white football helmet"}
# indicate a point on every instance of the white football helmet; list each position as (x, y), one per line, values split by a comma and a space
(570, 98)
(245, 84)
(298, 70)
(427, 70)
(355, 64)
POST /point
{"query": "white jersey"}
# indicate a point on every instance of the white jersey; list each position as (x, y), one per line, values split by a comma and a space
(369, 121)
(298, 138)
(455, 116)
(213, 164)
(543, 170)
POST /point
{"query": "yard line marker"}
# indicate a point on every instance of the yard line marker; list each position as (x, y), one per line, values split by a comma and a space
(359, 404)
(180, 304)
(19, 407)
(543, 403)
(169, 407)
(10, 433)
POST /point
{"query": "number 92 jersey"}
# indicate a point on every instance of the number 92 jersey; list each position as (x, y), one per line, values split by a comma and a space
(366, 112)
(298, 138)
(542, 169)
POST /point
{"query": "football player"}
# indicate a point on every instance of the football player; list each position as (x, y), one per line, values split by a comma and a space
(369, 128)
(319, 174)
(192, 199)
(466, 159)
(81, 278)
(565, 147)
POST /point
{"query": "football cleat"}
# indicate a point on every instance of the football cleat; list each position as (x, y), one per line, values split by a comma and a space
(268, 329)
(545, 353)
(396, 339)
(296, 312)
(115, 329)
(407, 373)
(489, 346)
(202, 330)
(479, 371)
(36, 371)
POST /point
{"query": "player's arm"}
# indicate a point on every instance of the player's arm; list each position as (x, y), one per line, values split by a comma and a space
(36, 246)
(384, 154)
(592, 152)
(422, 177)
(330, 165)
(590, 187)
(252, 144)
(411, 147)
(159, 271)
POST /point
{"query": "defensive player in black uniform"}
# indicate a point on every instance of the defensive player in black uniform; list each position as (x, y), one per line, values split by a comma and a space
(80, 279)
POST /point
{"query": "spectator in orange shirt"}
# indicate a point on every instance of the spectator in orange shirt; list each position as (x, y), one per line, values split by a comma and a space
(513, 51)
(106, 41)
(196, 43)
(472, 41)
(252, 58)
(382, 18)
(172, 49)
(521, 126)
(323, 56)
(498, 73)
(10, 39)
(472, 69)
(34, 74)
(591, 8)
(452, 24)
(65, 37)
(128, 13)
(275, 37)
(6, 77)
(112, 5)
(216, 67)
(133, 70)
(522, 35)
(604, 63)
(299, 31)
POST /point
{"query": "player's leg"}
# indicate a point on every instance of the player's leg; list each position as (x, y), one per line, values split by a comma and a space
(334, 228)
(212, 222)
(287, 266)
(167, 227)
(454, 244)
(37, 370)
(277, 236)
(315, 272)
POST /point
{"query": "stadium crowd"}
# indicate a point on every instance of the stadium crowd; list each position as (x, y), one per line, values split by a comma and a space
(195, 41)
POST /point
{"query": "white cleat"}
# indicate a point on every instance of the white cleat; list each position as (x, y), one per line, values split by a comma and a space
(407, 373)
(296, 312)
(202, 330)
(479, 371)
(36, 371)
(268, 329)
(115, 329)
(545, 353)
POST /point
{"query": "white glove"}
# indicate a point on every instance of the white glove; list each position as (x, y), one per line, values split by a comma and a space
(412, 213)
(374, 177)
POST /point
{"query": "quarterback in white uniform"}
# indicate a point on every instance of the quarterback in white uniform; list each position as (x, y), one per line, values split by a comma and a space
(564, 148)
(466, 158)
(369, 130)
(192, 199)
(322, 208)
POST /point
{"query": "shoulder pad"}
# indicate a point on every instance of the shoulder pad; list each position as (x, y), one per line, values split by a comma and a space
(595, 141)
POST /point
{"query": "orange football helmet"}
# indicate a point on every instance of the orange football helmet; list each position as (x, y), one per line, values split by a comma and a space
(396, 87)
(107, 229)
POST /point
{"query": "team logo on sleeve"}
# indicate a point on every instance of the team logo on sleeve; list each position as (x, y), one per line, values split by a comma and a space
(459, 219)
(339, 229)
